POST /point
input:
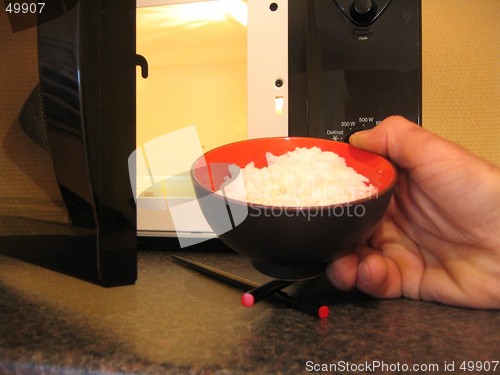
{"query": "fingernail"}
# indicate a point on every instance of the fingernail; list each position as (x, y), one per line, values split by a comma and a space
(356, 139)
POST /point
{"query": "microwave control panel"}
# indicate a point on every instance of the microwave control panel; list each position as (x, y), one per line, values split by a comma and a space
(351, 64)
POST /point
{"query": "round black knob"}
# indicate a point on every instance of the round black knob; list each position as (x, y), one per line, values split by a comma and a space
(362, 6)
(363, 12)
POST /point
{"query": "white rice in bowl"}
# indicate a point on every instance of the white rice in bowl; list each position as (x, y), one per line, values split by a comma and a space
(299, 178)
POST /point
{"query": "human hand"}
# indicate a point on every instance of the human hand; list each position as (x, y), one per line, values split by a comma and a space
(440, 238)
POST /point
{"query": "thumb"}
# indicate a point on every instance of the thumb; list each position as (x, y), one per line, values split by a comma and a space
(397, 139)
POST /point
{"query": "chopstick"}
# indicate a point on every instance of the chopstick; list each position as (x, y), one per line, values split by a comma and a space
(257, 294)
(321, 312)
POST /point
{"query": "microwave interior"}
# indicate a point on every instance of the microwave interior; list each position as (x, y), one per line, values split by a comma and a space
(193, 100)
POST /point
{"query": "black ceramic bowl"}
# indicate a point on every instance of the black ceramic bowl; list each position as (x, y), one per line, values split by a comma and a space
(290, 243)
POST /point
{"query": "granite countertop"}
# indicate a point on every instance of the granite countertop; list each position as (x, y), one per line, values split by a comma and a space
(177, 321)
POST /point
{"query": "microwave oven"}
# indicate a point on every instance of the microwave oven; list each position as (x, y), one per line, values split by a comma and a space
(80, 114)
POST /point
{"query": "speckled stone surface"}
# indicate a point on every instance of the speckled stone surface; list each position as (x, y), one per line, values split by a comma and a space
(176, 321)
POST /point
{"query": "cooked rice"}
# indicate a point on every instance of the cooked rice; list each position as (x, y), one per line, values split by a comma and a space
(303, 177)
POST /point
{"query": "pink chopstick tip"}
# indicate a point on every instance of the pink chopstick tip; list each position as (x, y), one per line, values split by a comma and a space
(323, 312)
(247, 300)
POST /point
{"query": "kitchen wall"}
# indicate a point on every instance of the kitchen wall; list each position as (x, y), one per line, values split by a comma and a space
(461, 73)
(198, 73)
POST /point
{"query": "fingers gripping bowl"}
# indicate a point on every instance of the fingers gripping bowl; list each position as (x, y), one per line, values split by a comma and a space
(291, 242)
